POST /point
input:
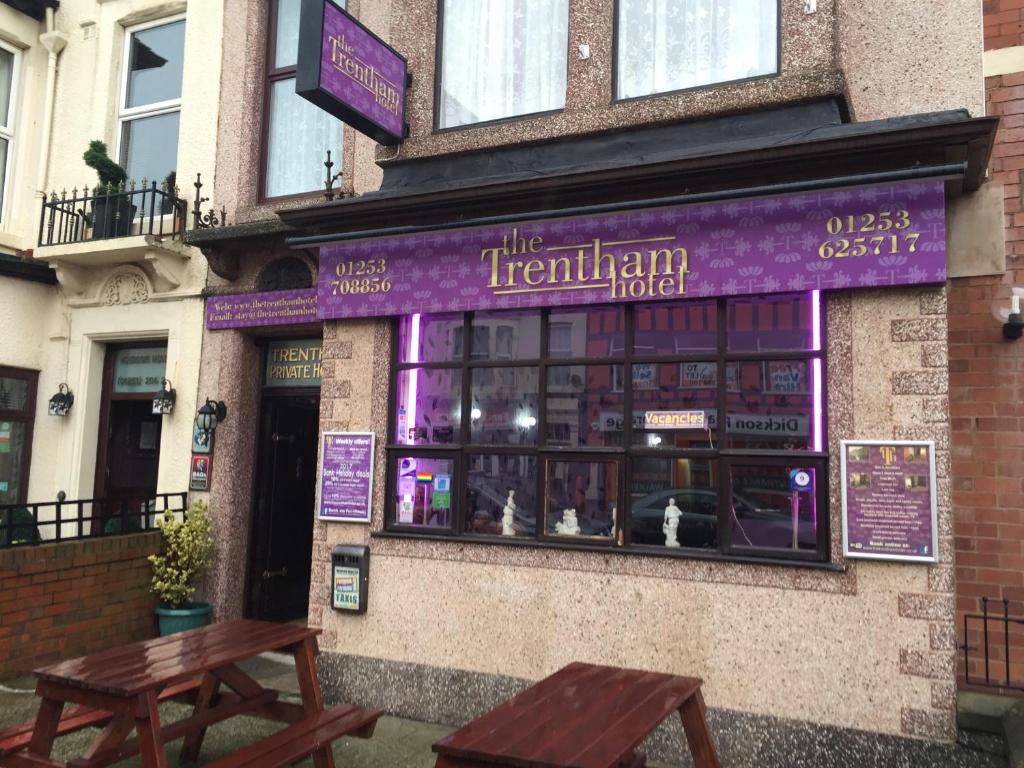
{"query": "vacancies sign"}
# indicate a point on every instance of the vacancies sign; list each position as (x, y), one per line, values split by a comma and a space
(864, 237)
(349, 72)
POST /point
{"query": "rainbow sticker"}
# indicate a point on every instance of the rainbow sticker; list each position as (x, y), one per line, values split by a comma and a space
(424, 477)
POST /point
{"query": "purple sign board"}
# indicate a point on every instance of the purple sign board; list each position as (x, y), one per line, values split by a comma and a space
(889, 510)
(255, 310)
(856, 237)
(346, 476)
(349, 72)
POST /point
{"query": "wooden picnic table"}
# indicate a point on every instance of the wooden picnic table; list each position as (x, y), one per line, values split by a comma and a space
(120, 689)
(583, 716)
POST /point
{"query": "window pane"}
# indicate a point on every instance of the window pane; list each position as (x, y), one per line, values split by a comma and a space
(771, 405)
(6, 87)
(773, 323)
(582, 498)
(670, 328)
(155, 59)
(583, 406)
(586, 332)
(501, 495)
(298, 137)
(768, 513)
(429, 406)
(13, 394)
(504, 409)
(149, 147)
(430, 338)
(424, 491)
(665, 390)
(505, 336)
(667, 45)
(13, 436)
(502, 58)
(690, 485)
(3, 170)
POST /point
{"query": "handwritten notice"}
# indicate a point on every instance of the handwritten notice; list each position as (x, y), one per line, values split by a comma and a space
(889, 510)
(346, 476)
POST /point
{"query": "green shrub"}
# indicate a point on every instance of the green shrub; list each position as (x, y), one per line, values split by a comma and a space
(22, 529)
(111, 174)
(186, 553)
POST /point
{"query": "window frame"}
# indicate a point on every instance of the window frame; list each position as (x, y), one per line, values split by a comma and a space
(544, 450)
(616, 99)
(26, 417)
(7, 130)
(439, 63)
(271, 75)
(127, 114)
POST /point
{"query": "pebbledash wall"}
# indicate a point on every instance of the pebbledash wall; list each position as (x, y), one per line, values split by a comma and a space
(986, 377)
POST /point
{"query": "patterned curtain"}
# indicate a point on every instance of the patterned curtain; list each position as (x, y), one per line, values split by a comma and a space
(502, 58)
(668, 45)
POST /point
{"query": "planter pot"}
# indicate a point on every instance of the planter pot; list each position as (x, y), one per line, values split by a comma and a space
(112, 216)
(174, 620)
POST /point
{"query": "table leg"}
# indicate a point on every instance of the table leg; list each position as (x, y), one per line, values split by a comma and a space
(698, 736)
(312, 701)
(45, 731)
(147, 724)
(194, 741)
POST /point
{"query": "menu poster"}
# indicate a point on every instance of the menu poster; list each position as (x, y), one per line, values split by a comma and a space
(889, 510)
(346, 476)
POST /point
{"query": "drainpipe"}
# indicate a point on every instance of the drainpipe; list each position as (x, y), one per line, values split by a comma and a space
(54, 43)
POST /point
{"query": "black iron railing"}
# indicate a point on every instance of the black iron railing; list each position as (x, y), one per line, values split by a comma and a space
(104, 213)
(1000, 642)
(51, 521)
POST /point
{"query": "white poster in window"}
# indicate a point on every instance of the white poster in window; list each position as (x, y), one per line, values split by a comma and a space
(787, 376)
(699, 375)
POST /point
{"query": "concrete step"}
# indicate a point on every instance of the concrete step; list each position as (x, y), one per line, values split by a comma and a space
(992, 724)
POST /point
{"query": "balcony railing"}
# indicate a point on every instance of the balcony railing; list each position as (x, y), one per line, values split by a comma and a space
(52, 521)
(104, 213)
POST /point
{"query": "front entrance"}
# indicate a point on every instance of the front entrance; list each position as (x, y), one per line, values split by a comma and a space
(282, 540)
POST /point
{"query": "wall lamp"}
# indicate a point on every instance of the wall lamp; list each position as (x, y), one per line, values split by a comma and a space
(1013, 328)
(163, 401)
(61, 403)
(210, 414)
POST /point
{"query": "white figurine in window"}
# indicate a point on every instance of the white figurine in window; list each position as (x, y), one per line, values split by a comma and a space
(568, 526)
(671, 525)
(508, 515)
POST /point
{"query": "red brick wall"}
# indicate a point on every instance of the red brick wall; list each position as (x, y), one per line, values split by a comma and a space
(58, 601)
(987, 391)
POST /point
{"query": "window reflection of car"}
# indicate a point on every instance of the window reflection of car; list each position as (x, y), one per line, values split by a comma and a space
(698, 523)
(487, 505)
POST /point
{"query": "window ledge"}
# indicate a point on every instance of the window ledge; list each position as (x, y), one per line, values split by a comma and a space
(690, 554)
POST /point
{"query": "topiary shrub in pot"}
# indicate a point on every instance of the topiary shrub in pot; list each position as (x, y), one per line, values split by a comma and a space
(186, 553)
(112, 208)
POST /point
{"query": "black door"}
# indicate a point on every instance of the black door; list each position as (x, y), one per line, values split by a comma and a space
(131, 462)
(282, 541)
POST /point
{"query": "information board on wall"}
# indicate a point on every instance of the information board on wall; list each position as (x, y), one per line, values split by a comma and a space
(889, 507)
(345, 480)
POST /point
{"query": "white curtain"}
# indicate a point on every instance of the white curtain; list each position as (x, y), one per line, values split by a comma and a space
(668, 45)
(299, 136)
(6, 85)
(502, 58)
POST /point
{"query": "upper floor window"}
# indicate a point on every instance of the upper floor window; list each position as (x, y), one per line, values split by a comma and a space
(8, 79)
(670, 45)
(297, 133)
(501, 58)
(150, 104)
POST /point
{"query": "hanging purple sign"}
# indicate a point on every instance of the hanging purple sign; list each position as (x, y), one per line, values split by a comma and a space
(349, 72)
(889, 510)
(864, 237)
(255, 310)
(346, 476)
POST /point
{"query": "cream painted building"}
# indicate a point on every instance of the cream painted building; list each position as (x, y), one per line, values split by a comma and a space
(125, 311)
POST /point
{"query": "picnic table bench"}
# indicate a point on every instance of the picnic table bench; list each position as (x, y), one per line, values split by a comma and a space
(120, 689)
(583, 716)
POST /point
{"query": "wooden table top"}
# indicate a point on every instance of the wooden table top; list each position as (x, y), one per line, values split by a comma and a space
(584, 716)
(129, 670)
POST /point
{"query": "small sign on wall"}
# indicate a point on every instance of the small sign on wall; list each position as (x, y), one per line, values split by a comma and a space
(199, 476)
(346, 476)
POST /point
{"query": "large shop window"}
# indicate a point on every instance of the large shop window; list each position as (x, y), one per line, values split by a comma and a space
(151, 100)
(513, 425)
(501, 59)
(17, 415)
(297, 133)
(8, 79)
(671, 45)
